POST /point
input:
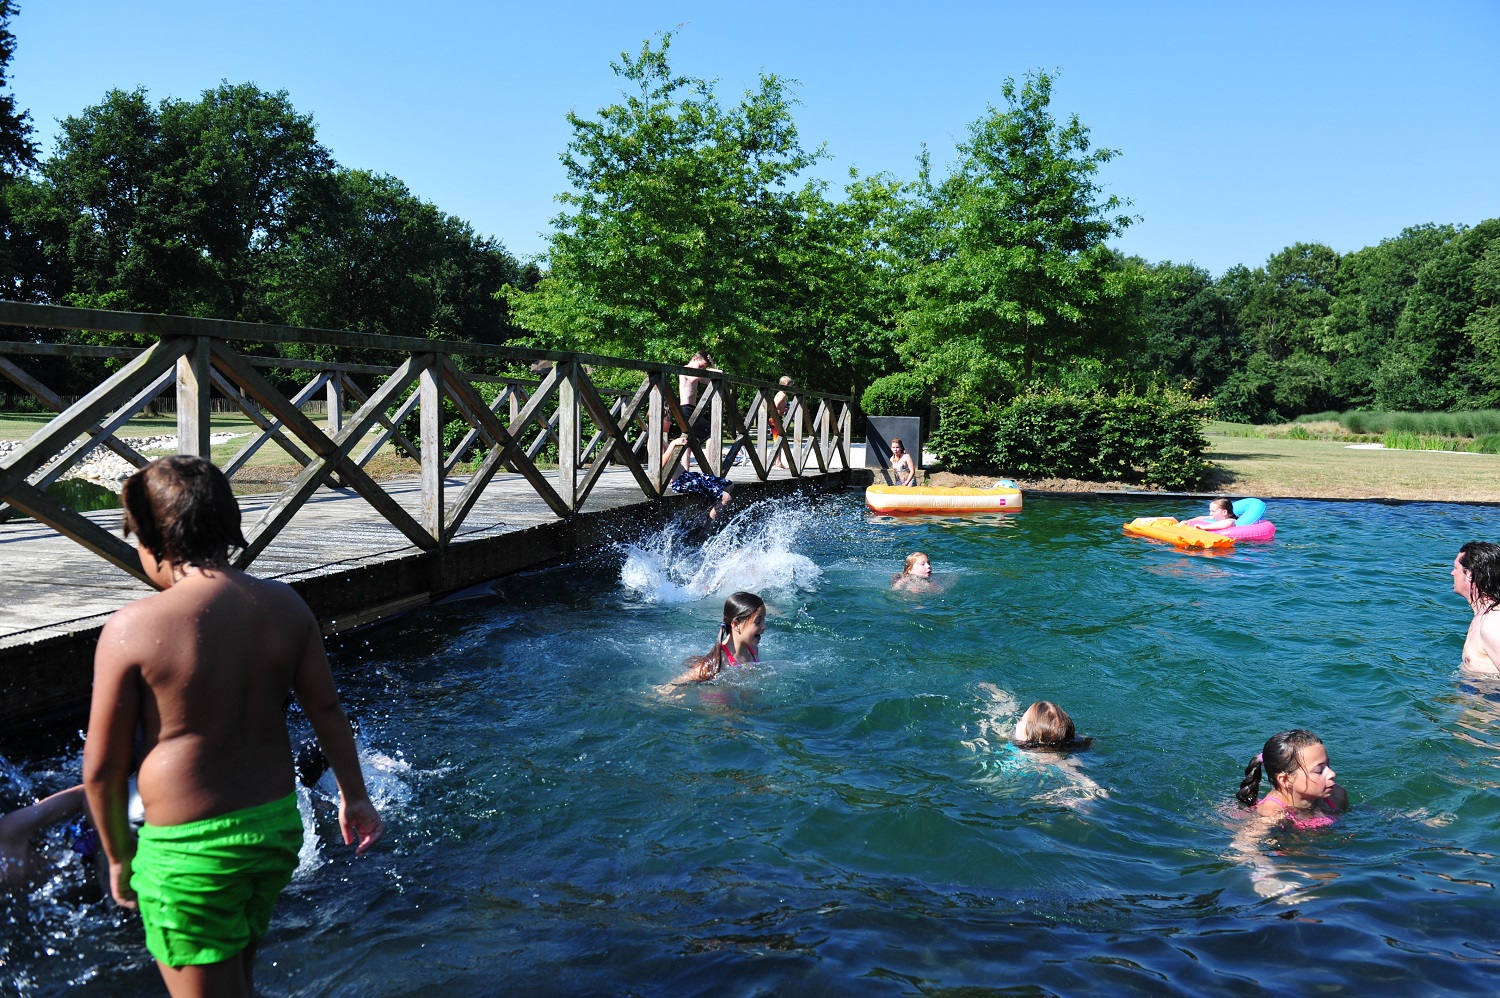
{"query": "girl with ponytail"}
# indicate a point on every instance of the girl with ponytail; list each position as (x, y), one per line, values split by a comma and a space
(738, 641)
(1303, 792)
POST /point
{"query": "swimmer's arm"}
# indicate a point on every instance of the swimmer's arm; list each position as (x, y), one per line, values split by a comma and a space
(17, 827)
(113, 715)
(703, 672)
(319, 700)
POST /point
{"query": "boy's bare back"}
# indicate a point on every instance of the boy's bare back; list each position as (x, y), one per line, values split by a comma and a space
(212, 659)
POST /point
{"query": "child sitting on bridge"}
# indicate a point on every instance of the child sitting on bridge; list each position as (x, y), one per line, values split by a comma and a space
(203, 668)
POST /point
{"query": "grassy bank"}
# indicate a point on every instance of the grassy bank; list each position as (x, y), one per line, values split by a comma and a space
(1261, 461)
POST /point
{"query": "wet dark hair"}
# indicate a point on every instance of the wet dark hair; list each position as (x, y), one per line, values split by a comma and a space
(1053, 729)
(182, 510)
(1278, 756)
(1223, 504)
(738, 607)
(1482, 560)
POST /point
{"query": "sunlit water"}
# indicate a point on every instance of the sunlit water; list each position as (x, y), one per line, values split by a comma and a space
(844, 818)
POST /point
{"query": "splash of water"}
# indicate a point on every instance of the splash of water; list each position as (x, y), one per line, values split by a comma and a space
(754, 552)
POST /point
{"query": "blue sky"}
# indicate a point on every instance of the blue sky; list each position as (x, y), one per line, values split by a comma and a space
(1243, 127)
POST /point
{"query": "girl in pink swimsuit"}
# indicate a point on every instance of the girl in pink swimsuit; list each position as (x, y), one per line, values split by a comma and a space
(1303, 793)
(738, 641)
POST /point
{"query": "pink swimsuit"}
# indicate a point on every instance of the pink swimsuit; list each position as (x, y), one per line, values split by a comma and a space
(1313, 819)
(754, 656)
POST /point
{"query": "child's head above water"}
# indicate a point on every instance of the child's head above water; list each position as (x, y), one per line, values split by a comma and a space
(1221, 509)
(743, 612)
(1046, 725)
(1295, 763)
(182, 510)
(917, 563)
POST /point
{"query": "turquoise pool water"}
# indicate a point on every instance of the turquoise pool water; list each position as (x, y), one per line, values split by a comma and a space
(843, 818)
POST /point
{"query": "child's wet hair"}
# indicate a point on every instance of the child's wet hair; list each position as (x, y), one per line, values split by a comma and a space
(1225, 505)
(182, 510)
(1279, 755)
(738, 607)
(911, 560)
(1050, 727)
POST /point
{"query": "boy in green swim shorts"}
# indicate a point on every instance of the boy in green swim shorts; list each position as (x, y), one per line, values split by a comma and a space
(204, 668)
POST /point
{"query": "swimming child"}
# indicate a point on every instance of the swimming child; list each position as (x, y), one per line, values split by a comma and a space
(1220, 516)
(1045, 725)
(1303, 793)
(21, 864)
(203, 668)
(738, 641)
(916, 576)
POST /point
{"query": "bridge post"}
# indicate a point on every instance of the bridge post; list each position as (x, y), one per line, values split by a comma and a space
(655, 429)
(193, 414)
(715, 448)
(430, 388)
(569, 433)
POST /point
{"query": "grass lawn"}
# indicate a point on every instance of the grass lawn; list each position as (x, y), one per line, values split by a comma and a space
(1325, 468)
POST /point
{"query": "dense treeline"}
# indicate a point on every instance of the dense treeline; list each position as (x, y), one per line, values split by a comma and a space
(687, 224)
(1411, 324)
(229, 207)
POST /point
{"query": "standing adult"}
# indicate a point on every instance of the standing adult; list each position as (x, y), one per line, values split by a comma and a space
(1476, 577)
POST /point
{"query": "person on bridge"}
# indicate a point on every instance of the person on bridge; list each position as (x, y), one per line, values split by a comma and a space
(204, 668)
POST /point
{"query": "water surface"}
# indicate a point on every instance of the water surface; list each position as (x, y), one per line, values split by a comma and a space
(844, 818)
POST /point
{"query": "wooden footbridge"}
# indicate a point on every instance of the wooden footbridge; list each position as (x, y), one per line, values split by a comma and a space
(484, 504)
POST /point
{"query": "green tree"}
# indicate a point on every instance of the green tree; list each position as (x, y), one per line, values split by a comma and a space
(676, 228)
(1191, 334)
(1429, 362)
(1017, 279)
(179, 208)
(22, 263)
(1371, 290)
(378, 259)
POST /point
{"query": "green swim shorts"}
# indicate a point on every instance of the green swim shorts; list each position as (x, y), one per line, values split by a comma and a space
(206, 888)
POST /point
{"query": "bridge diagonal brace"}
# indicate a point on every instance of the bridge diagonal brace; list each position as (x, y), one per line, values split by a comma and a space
(504, 441)
(737, 426)
(333, 452)
(54, 402)
(270, 429)
(86, 413)
(76, 527)
(614, 428)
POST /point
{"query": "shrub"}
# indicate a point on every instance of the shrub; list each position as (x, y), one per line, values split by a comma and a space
(965, 435)
(899, 394)
(1155, 437)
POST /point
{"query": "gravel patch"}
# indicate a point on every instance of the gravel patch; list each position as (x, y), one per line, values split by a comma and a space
(104, 467)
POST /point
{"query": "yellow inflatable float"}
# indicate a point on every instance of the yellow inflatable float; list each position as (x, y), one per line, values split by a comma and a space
(1166, 528)
(897, 500)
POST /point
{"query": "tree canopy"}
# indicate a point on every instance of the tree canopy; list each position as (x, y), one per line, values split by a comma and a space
(1018, 278)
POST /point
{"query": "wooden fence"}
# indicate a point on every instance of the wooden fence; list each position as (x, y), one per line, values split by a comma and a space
(590, 428)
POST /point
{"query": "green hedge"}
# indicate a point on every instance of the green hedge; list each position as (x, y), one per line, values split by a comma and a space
(1153, 437)
(899, 394)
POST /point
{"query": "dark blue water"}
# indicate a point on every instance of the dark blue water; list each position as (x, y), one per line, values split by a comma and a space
(845, 819)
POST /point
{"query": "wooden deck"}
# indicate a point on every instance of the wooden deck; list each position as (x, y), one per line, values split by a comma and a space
(351, 565)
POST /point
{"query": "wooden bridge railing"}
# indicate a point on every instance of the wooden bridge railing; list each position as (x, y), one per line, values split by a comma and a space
(591, 428)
